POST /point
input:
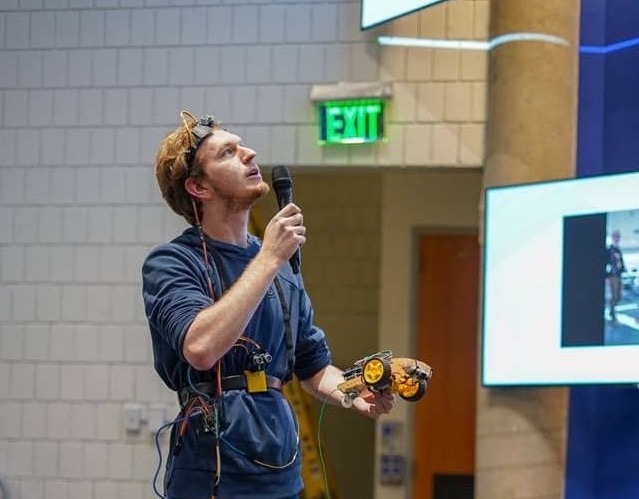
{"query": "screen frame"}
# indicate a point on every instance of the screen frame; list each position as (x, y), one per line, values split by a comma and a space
(494, 381)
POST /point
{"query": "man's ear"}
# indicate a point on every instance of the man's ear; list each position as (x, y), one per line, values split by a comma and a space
(195, 188)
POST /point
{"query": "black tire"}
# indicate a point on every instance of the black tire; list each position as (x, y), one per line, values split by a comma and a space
(419, 393)
(376, 373)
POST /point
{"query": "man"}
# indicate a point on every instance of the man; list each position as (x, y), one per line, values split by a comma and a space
(614, 268)
(230, 323)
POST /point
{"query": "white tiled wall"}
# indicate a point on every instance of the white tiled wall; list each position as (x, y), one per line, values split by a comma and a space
(87, 89)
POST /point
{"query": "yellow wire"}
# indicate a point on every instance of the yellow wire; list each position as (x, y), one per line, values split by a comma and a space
(183, 114)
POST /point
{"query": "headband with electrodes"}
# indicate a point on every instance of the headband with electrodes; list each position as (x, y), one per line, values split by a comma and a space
(205, 127)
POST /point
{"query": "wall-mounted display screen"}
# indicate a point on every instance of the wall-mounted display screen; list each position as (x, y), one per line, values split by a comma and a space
(561, 282)
(375, 12)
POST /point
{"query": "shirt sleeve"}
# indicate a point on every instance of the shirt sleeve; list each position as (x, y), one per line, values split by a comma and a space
(312, 353)
(173, 288)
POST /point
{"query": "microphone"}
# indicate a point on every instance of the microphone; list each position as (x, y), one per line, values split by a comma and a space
(283, 186)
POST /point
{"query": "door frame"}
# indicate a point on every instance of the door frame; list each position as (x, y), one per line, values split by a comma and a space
(415, 259)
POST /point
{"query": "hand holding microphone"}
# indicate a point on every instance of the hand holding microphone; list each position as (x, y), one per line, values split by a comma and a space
(290, 216)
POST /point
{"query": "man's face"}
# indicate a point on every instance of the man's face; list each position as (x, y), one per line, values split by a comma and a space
(230, 170)
(616, 236)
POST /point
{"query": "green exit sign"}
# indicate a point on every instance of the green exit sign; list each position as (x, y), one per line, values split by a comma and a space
(351, 121)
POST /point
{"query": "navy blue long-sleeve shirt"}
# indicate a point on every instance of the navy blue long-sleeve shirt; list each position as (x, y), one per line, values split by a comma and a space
(255, 427)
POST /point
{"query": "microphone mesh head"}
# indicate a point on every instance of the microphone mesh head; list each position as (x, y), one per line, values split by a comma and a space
(281, 177)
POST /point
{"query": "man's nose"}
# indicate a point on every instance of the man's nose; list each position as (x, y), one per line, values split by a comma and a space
(248, 154)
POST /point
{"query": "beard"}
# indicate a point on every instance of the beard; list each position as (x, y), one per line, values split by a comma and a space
(235, 202)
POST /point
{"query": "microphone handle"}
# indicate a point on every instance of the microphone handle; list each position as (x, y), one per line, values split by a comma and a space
(284, 198)
(295, 261)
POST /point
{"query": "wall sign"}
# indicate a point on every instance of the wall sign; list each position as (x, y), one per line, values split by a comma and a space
(354, 121)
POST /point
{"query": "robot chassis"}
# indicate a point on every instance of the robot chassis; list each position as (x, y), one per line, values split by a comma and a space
(382, 372)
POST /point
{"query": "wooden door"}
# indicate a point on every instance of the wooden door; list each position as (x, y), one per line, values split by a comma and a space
(447, 333)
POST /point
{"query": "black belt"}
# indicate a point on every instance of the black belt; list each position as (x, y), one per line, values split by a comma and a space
(236, 382)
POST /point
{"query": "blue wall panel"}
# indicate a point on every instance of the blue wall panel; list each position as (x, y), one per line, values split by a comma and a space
(590, 122)
(621, 107)
(602, 459)
(592, 89)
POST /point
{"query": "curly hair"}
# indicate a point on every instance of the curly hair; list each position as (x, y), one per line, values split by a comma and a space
(172, 167)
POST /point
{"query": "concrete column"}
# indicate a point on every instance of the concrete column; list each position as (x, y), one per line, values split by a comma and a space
(531, 135)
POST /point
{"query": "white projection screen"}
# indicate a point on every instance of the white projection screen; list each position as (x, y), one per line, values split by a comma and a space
(546, 292)
(376, 12)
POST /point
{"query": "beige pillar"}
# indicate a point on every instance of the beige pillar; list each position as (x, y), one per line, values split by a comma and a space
(531, 135)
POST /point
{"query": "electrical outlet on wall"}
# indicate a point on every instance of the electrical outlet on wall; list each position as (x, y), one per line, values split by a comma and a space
(133, 418)
(392, 461)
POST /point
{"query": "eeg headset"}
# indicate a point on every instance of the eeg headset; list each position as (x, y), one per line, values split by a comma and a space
(205, 127)
(201, 131)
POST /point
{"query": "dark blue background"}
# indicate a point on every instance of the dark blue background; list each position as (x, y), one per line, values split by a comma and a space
(582, 323)
(602, 459)
(608, 125)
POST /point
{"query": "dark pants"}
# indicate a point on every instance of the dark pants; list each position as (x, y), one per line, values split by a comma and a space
(615, 293)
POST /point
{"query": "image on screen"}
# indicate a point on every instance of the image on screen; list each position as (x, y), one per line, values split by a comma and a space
(600, 297)
(621, 290)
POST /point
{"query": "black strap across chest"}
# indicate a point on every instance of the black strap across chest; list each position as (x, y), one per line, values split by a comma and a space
(221, 282)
